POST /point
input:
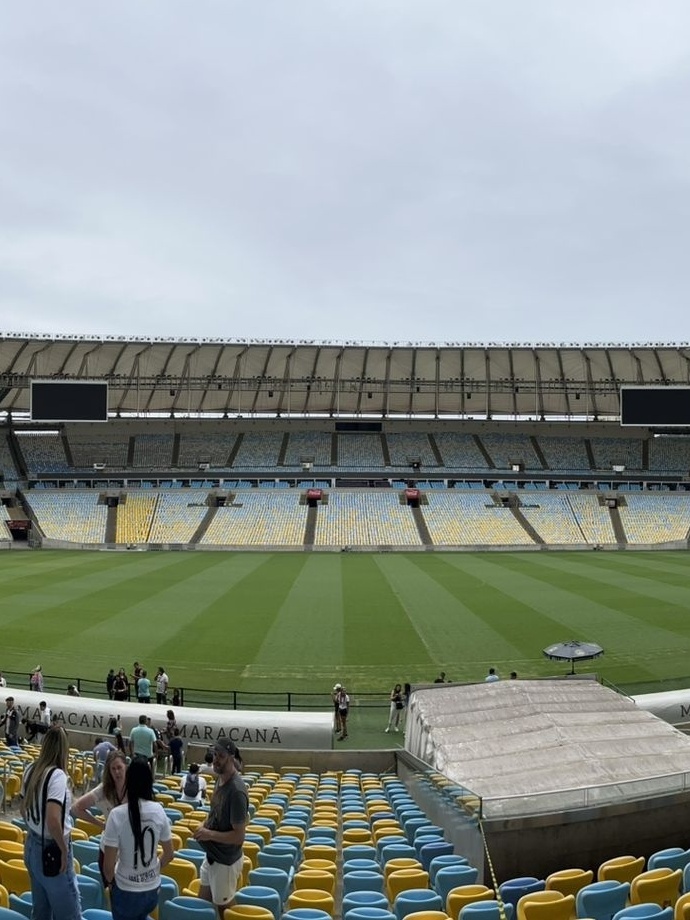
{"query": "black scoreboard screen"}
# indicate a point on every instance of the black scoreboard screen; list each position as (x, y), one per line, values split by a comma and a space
(656, 407)
(69, 401)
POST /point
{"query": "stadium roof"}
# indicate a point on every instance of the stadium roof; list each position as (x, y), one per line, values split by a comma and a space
(302, 378)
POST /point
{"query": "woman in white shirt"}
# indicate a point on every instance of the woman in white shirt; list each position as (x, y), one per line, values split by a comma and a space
(45, 807)
(130, 842)
(106, 795)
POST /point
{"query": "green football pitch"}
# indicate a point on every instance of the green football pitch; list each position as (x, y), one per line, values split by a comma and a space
(278, 622)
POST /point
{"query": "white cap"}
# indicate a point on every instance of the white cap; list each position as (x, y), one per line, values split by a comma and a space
(338, 687)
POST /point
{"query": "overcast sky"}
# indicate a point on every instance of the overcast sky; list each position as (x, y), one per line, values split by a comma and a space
(377, 170)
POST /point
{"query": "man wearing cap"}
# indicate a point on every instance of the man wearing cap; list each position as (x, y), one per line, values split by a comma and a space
(11, 720)
(222, 834)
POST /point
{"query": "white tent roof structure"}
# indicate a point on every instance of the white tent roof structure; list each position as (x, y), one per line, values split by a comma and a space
(537, 746)
(303, 378)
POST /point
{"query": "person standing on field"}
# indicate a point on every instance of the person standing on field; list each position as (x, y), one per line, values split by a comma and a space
(161, 686)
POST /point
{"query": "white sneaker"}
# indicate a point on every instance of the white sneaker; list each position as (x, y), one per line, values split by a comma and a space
(396, 729)
(387, 729)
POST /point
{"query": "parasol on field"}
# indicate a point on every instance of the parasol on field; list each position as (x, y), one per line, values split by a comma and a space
(573, 651)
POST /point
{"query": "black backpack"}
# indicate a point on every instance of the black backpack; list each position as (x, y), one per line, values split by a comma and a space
(191, 786)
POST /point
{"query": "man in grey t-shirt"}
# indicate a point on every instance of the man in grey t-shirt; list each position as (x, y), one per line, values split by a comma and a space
(222, 834)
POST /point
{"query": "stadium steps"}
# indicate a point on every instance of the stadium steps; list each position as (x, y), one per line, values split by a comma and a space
(235, 450)
(435, 451)
(645, 454)
(617, 524)
(483, 451)
(334, 449)
(384, 448)
(590, 454)
(176, 450)
(16, 453)
(525, 524)
(67, 449)
(204, 525)
(283, 449)
(111, 525)
(310, 527)
(422, 529)
(130, 452)
(537, 450)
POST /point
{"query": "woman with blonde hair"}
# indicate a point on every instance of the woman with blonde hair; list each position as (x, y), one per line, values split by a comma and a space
(107, 794)
(45, 806)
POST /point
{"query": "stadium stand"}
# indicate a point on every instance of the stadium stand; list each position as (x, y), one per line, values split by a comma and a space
(259, 517)
(43, 453)
(552, 516)
(153, 451)
(460, 451)
(177, 517)
(75, 516)
(506, 449)
(610, 452)
(569, 455)
(593, 519)
(214, 449)
(135, 517)
(7, 467)
(259, 450)
(669, 454)
(371, 518)
(458, 518)
(360, 451)
(112, 452)
(314, 446)
(408, 446)
(655, 518)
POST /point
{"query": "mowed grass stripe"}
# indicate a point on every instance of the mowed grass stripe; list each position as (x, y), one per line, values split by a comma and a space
(50, 567)
(634, 644)
(445, 606)
(304, 646)
(377, 630)
(641, 596)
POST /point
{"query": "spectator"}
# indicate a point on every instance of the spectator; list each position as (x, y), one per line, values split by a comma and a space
(107, 794)
(513, 675)
(46, 803)
(407, 692)
(143, 686)
(131, 865)
(11, 722)
(222, 834)
(176, 747)
(193, 785)
(41, 725)
(491, 677)
(3, 682)
(170, 725)
(72, 690)
(120, 686)
(161, 686)
(441, 679)
(177, 697)
(396, 707)
(36, 679)
(343, 709)
(101, 749)
(143, 743)
(109, 681)
(336, 709)
(207, 765)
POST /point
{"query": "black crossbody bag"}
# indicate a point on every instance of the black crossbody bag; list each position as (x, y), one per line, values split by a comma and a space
(50, 852)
